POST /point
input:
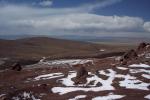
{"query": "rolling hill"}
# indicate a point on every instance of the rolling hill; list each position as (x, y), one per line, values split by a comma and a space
(37, 47)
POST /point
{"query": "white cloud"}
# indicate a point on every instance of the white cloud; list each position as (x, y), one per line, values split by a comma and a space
(84, 21)
(99, 4)
(45, 21)
(147, 26)
(45, 3)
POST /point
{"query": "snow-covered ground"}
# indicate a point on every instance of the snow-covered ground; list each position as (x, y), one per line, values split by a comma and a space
(70, 62)
(139, 71)
(118, 58)
(102, 50)
(101, 80)
(110, 96)
(147, 55)
(1, 95)
(106, 83)
(45, 77)
(67, 81)
(48, 76)
(147, 97)
(129, 81)
(25, 96)
(139, 65)
(96, 83)
(146, 76)
(78, 97)
(2, 60)
(122, 68)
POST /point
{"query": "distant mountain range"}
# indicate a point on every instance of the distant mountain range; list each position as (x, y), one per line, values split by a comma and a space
(84, 38)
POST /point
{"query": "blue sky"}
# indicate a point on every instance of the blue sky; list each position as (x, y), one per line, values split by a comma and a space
(129, 18)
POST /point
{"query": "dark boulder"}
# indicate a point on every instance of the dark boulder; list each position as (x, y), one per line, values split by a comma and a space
(148, 47)
(81, 76)
(16, 67)
(124, 62)
(141, 48)
(131, 54)
(81, 72)
(128, 56)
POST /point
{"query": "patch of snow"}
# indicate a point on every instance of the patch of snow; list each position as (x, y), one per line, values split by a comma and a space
(132, 83)
(69, 62)
(147, 55)
(78, 97)
(64, 90)
(106, 84)
(67, 81)
(16, 98)
(33, 98)
(139, 71)
(122, 68)
(140, 65)
(141, 55)
(42, 60)
(1, 95)
(102, 72)
(147, 97)
(48, 76)
(146, 76)
(3, 60)
(25, 96)
(120, 76)
(118, 58)
(102, 50)
(109, 97)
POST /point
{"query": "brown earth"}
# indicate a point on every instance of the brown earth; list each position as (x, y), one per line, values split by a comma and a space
(30, 50)
(38, 47)
(13, 83)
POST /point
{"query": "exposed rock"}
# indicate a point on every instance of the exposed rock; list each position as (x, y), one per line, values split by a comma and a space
(78, 65)
(141, 48)
(147, 62)
(124, 62)
(130, 55)
(81, 76)
(148, 47)
(16, 66)
(81, 72)
(83, 65)
(88, 64)
(44, 86)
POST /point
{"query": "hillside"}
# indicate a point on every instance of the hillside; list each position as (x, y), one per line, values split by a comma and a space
(38, 47)
(124, 77)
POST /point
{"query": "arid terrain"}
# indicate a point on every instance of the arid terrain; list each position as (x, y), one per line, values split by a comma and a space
(54, 69)
(31, 50)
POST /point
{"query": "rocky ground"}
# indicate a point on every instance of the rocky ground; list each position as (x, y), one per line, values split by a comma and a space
(124, 77)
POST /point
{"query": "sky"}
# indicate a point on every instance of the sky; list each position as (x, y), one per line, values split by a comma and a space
(113, 18)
